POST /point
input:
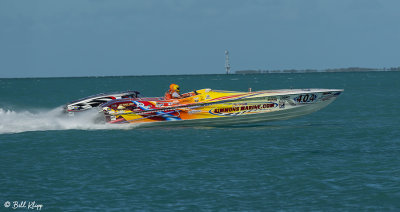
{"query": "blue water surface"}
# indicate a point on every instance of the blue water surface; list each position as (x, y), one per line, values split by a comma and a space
(345, 157)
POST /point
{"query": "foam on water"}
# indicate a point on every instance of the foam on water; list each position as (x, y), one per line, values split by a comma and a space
(54, 119)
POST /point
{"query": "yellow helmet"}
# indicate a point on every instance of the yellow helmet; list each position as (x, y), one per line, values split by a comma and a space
(174, 87)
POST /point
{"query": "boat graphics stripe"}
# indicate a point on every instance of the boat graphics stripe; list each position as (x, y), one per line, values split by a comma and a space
(166, 115)
(187, 106)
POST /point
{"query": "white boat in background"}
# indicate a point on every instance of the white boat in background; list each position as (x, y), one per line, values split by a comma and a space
(96, 100)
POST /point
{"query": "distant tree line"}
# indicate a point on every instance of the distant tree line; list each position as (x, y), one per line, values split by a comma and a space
(350, 69)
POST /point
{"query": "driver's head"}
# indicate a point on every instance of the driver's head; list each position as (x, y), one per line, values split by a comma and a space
(174, 87)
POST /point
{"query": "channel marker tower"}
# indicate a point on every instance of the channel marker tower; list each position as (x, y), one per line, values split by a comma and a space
(227, 65)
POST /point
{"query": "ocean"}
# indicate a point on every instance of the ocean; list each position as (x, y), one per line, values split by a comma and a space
(345, 157)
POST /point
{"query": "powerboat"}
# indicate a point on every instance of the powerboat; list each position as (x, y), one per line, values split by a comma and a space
(96, 100)
(215, 107)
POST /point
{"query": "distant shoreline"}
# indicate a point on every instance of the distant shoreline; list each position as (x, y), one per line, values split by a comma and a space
(351, 69)
(236, 72)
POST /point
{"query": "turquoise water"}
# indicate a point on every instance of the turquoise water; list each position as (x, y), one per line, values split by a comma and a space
(345, 157)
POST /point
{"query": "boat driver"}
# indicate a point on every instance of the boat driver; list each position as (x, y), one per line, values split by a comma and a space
(173, 92)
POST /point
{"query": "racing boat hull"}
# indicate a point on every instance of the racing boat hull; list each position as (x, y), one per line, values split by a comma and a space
(94, 101)
(208, 107)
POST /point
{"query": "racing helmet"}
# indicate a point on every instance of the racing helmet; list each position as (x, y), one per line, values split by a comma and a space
(174, 87)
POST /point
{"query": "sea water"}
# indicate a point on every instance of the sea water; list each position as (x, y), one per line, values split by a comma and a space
(345, 157)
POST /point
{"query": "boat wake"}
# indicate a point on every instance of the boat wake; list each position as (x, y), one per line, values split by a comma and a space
(43, 120)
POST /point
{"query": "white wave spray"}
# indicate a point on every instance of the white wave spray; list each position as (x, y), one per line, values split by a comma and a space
(54, 119)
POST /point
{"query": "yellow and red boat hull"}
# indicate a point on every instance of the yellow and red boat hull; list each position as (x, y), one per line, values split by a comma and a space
(220, 107)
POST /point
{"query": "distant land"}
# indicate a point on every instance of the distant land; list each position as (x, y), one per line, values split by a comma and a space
(351, 69)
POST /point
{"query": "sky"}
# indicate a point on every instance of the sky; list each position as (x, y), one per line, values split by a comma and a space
(65, 38)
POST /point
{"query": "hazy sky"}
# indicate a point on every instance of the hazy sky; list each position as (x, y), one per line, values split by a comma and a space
(127, 37)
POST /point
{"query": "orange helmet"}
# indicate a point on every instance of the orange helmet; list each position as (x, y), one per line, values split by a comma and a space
(174, 87)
